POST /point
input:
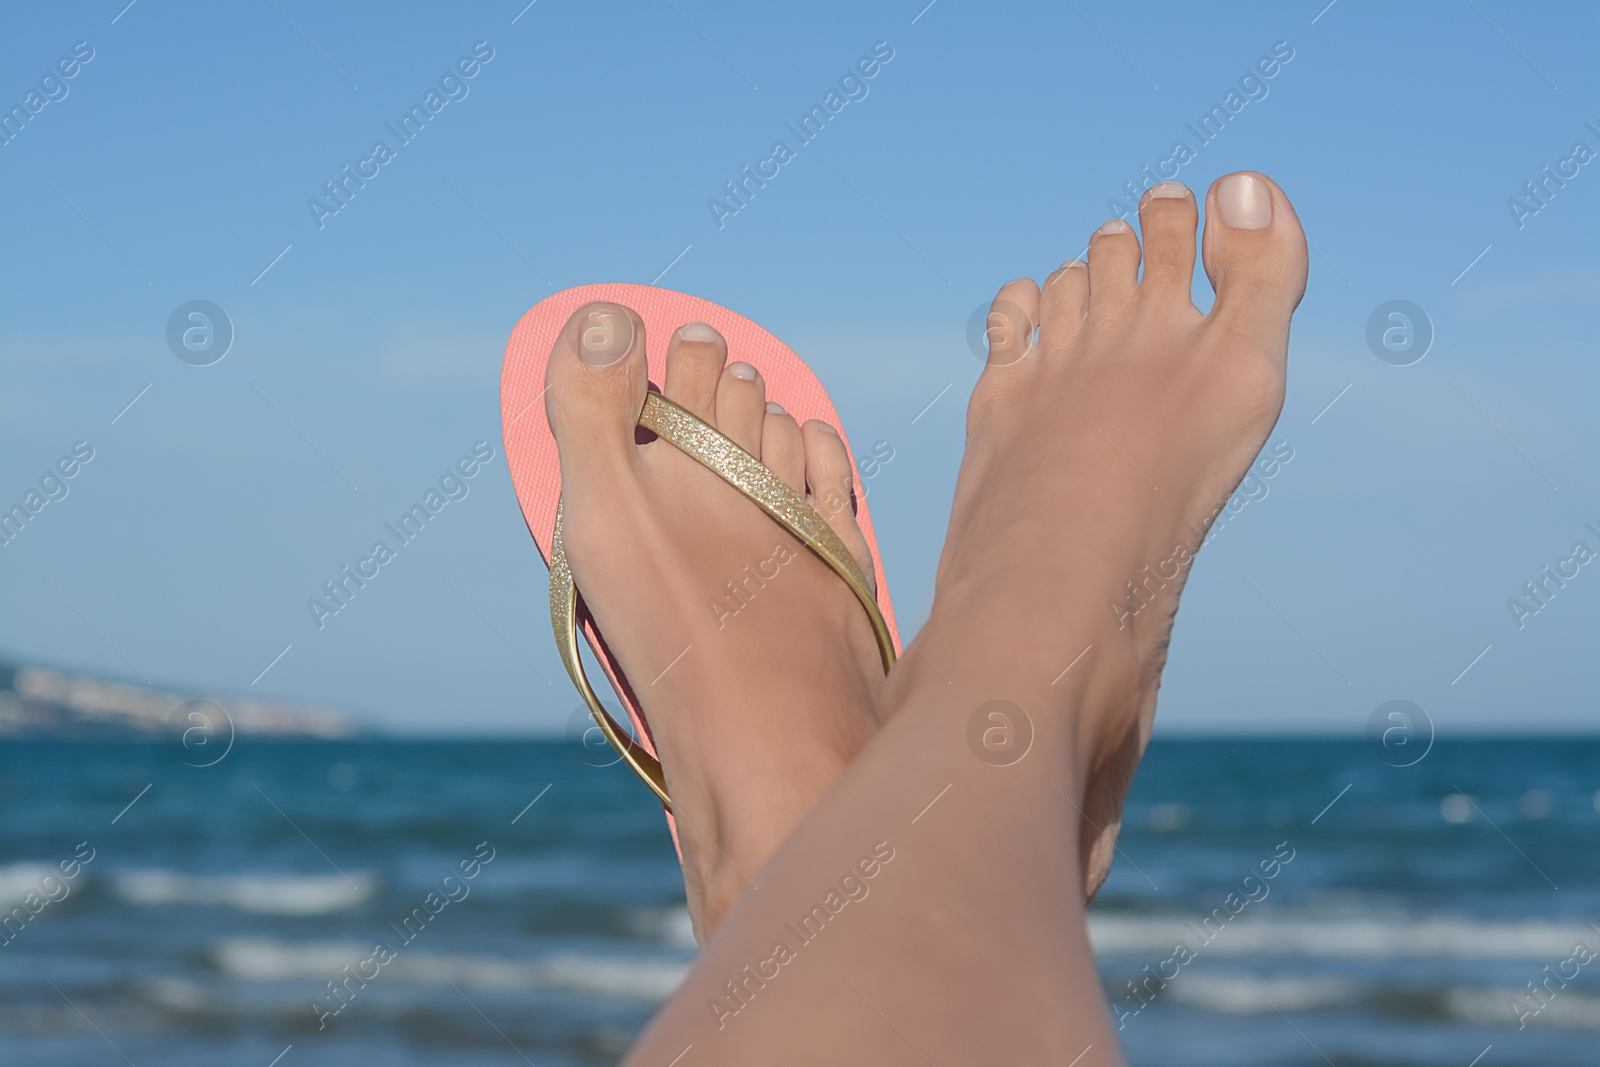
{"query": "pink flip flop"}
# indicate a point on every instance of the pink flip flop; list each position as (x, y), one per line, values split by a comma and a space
(536, 474)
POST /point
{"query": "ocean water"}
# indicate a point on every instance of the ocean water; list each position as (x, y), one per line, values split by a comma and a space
(201, 925)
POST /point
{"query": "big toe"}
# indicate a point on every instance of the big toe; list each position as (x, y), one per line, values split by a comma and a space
(1255, 256)
(595, 386)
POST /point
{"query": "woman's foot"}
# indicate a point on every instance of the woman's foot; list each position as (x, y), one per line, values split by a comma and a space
(755, 665)
(1099, 454)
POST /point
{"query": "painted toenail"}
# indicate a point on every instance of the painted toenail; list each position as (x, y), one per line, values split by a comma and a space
(775, 408)
(1114, 226)
(1168, 191)
(697, 331)
(604, 338)
(1244, 203)
(742, 371)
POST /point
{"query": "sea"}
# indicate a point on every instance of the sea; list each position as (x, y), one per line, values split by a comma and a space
(511, 902)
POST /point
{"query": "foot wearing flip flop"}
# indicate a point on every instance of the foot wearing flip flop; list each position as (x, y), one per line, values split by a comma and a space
(758, 672)
(1099, 454)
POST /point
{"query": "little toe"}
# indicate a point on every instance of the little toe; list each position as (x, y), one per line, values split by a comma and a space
(1255, 255)
(1167, 219)
(782, 450)
(741, 405)
(831, 482)
(695, 356)
(1013, 317)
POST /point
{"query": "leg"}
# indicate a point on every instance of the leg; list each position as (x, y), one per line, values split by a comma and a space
(1096, 460)
(965, 945)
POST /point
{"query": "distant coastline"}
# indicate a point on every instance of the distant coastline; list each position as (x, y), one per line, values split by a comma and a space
(38, 701)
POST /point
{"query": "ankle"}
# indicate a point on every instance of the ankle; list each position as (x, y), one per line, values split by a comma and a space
(717, 897)
(744, 807)
(1071, 715)
(725, 869)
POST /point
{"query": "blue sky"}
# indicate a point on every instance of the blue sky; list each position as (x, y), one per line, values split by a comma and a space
(178, 164)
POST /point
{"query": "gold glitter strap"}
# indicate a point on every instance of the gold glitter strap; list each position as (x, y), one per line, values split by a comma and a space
(769, 492)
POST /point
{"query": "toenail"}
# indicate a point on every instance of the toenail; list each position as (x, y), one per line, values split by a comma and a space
(742, 371)
(697, 331)
(1244, 203)
(1071, 263)
(827, 428)
(1114, 226)
(604, 338)
(1168, 191)
(775, 408)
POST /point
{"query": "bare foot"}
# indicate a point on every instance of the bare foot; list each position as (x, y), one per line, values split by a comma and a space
(1099, 455)
(755, 665)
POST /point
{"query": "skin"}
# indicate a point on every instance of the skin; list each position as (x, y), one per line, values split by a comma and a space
(1100, 450)
(750, 731)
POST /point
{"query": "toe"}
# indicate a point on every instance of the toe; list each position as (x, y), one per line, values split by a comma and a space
(831, 483)
(1062, 304)
(741, 406)
(782, 450)
(1013, 317)
(1255, 255)
(1167, 218)
(595, 386)
(695, 356)
(1113, 268)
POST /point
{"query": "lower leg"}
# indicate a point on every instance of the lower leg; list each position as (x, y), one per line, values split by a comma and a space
(931, 907)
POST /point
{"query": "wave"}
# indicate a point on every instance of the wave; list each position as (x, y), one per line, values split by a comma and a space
(265, 894)
(614, 976)
(17, 880)
(619, 977)
(1502, 1007)
(1321, 934)
(611, 977)
(1257, 996)
(670, 926)
(1567, 1009)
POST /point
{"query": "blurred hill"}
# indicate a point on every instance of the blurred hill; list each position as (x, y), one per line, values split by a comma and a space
(42, 701)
